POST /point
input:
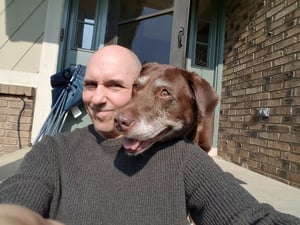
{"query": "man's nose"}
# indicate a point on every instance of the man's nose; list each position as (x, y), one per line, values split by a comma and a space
(99, 96)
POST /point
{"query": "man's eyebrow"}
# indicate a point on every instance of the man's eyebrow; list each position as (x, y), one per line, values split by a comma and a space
(88, 81)
(114, 81)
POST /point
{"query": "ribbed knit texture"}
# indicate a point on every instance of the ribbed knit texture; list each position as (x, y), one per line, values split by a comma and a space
(80, 179)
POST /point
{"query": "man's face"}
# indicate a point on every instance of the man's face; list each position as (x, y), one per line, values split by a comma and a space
(107, 87)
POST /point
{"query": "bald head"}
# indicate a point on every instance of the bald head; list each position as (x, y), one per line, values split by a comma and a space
(117, 56)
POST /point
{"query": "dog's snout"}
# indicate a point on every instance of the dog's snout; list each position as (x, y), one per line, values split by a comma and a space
(123, 121)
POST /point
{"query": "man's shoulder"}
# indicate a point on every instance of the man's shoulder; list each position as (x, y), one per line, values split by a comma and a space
(66, 138)
(186, 145)
(183, 147)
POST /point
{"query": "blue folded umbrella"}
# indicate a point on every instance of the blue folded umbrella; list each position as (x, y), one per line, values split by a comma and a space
(66, 93)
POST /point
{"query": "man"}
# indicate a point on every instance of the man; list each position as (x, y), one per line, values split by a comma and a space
(85, 177)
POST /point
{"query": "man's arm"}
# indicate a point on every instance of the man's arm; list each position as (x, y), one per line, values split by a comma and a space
(215, 197)
(18, 215)
(33, 184)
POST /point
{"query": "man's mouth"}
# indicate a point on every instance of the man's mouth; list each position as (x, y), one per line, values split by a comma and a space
(135, 147)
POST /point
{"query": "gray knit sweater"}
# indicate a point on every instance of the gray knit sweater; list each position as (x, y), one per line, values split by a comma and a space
(80, 179)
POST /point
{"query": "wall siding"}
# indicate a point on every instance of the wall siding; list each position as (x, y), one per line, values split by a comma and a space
(262, 69)
(21, 34)
(22, 25)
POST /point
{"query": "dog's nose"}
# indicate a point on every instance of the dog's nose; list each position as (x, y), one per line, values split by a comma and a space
(123, 121)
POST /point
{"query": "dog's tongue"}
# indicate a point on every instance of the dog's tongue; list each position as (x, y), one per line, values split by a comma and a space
(131, 144)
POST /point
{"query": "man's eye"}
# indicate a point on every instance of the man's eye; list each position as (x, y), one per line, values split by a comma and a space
(89, 85)
(117, 85)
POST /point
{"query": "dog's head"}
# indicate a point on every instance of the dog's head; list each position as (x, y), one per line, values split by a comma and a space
(167, 102)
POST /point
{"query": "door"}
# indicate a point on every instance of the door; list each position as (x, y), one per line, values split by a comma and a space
(156, 30)
(206, 44)
(84, 31)
(205, 38)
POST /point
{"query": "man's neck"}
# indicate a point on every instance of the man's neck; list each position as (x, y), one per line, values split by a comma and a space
(110, 135)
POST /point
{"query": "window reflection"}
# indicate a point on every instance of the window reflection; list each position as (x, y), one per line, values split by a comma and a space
(203, 27)
(135, 8)
(85, 25)
(201, 55)
(149, 39)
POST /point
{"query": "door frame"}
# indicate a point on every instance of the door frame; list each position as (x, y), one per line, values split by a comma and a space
(100, 30)
(181, 20)
(212, 73)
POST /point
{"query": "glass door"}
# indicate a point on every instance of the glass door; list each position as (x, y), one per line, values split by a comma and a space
(205, 38)
(154, 29)
(206, 44)
(84, 32)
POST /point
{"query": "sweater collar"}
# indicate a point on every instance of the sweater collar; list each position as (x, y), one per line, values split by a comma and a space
(109, 142)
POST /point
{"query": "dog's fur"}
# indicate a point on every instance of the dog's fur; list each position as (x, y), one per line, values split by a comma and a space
(167, 102)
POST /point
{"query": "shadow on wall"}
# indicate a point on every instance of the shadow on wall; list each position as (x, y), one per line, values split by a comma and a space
(24, 20)
(21, 40)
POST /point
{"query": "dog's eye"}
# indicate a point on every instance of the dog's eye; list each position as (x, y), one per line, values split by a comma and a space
(165, 93)
(134, 86)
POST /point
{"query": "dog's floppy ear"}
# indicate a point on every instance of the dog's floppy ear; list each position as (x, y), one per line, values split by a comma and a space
(206, 100)
(205, 96)
(146, 65)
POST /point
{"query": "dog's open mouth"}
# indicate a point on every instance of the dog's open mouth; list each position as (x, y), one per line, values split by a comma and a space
(134, 146)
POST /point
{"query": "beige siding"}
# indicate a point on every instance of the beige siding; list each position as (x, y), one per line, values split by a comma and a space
(21, 34)
(4, 4)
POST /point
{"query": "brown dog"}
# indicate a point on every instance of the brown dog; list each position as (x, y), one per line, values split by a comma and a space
(167, 102)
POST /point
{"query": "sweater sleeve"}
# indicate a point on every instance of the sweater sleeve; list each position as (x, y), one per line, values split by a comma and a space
(215, 197)
(33, 183)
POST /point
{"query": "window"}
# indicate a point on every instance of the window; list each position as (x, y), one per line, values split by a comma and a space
(85, 25)
(203, 26)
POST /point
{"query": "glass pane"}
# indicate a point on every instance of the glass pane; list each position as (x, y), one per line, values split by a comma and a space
(87, 10)
(202, 35)
(202, 32)
(135, 8)
(204, 10)
(149, 39)
(84, 37)
(201, 55)
(85, 24)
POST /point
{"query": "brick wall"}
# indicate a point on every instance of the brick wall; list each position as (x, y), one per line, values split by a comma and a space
(262, 69)
(16, 112)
